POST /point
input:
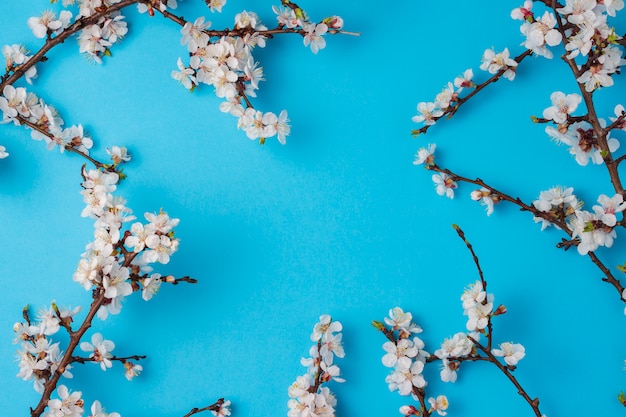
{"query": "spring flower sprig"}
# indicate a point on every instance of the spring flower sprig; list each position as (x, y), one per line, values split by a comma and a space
(223, 59)
(308, 396)
(593, 55)
(220, 58)
(405, 354)
(118, 262)
(592, 51)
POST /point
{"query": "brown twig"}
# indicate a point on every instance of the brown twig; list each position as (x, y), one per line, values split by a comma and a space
(217, 406)
(451, 111)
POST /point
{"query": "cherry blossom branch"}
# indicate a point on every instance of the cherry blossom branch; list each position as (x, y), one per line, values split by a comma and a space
(242, 32)
(69, 147)
(609, 277)
(502, 196)
(534, 403)
(461, 234)
(592, 117)
(75, 338)
(451, 111)
(216, 407)
(82, 360)
(50, 43)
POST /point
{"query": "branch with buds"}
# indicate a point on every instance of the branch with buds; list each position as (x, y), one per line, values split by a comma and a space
(406, 354)
(593, 53)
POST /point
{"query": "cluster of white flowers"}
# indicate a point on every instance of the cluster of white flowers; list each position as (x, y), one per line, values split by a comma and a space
(227, 64)
(406, 356)
(559, 202)
(67, 405)
(593, 229)
(40, 357)
(580, 136)
(477, 306)
(308, 398)
(95, 39)
(70, 404)
(587, 34)
(451, 350)
(116, 260)
(19, 107)
(404, 352)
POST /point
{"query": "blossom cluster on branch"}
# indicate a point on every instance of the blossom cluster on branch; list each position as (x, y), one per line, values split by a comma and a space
(120, 259)
(308, 398)
(405, 352)
(593, 54)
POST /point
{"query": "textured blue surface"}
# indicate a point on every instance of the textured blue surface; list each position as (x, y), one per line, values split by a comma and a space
(338, 221)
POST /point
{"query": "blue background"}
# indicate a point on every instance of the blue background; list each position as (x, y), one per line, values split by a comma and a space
(338, 221)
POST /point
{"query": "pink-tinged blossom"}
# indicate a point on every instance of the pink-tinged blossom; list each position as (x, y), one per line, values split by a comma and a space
(464, 81)
(512, 352)
(92, 43)
(619, 112)
(100, 350)
(444, 184)
(425, 155)
(247, 19)
(151, 286)
(485, 197)
(216, 5)
(578, 11)
(13, 103)
(162, 221)
(553, 201)
(446, 96)
(194, 35)
(184, 75)
(591, 237)
(118, 154)
(402, 351)
(608, 207)
(448, 372)
(131, 370)
(315, 36)
(404, 379)
(493, 62)
(402, 321)
(611, 6)
(455, 347)
(439, 404)
(541, 33)
(286, 17)
(324, 326)
(478, 316)
(562, 106)
(16, 55)
(428, 113)
(224, 410)
(524, 12)
(595, 77)
(583, 143)
(67, 405)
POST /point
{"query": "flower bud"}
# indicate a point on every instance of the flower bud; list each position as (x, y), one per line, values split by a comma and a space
(500, 310)
(334, 22)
